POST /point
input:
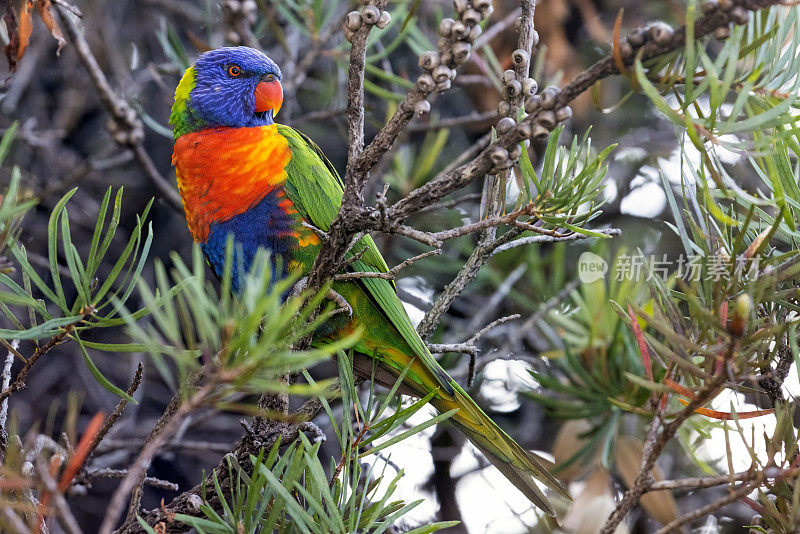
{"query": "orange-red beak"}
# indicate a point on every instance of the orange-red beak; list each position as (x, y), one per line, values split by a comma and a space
(269, 96)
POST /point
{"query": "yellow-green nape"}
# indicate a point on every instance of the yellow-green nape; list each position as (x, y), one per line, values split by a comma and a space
(178, 118)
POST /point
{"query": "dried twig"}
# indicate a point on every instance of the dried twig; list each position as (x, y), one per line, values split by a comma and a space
(6, 381)
(19, 381)
(741, 491)
(121, 473)
(391, 273)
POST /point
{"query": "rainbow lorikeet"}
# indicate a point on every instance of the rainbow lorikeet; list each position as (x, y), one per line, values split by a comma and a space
(269, 186)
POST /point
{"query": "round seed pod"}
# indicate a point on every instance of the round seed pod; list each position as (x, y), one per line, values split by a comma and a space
(460, 30)
(249, 6)
(520, 56)
(722, 33)
(513, 88)
(524, 130)
(348, 34)
(540, 132)
(232, 37)
(440, 74)
(518, 24)
(515, 152)
(422, 108)
(426, 83)
(461, 51)
(503, 108)
(487, 11)
(428, 60)
(446, 27)
(232, 5)
(660, 32)
(508, 76)
(625, 49)
(446, 57)
(474, 33)
(533, 104)
(370, 14)
(547, 118)
(529, 87)
(121, 138)
(136, 137)
(460, 5)
(740, 15)
(352, 21)
(549, 96)
(498, 155)
(384, 20)
(534, 38)
(563, 114)
(708, 7)
(443, 86)
(505, 125)
(637, 37)
(470, 17)
(481, 4)
(130, 116)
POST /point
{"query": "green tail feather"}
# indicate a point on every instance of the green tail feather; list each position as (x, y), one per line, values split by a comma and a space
(519, 466)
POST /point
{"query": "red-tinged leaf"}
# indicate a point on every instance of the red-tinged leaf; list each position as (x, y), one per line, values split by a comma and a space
(25, 27)
(637, 332)
(727, 416)
(75, 463)
(81, 451)
(754, 505)
(677, 388)
(45, 11)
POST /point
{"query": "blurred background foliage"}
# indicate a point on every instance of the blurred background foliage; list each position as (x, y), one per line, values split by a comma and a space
(702, 166)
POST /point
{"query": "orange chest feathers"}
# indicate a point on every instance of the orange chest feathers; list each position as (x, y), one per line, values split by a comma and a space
(223, 172)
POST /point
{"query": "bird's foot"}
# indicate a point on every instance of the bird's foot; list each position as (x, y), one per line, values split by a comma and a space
(340, 301)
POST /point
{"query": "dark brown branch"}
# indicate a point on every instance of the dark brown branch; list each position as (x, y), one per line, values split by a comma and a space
(654, 444)
(19, 381)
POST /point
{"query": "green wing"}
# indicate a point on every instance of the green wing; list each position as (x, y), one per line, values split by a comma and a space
(316, 190)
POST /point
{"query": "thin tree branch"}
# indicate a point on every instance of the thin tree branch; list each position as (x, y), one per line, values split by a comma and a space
(391, 273)
(734, 496)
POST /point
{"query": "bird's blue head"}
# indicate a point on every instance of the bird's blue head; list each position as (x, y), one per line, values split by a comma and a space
(227, 87)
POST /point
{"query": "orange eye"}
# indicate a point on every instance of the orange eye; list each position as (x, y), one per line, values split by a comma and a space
(234, 71)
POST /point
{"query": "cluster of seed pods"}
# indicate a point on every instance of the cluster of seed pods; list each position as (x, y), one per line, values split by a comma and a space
(368, 16)
(455, 45)
(737, 14)
(543, 116)
(662, 33)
